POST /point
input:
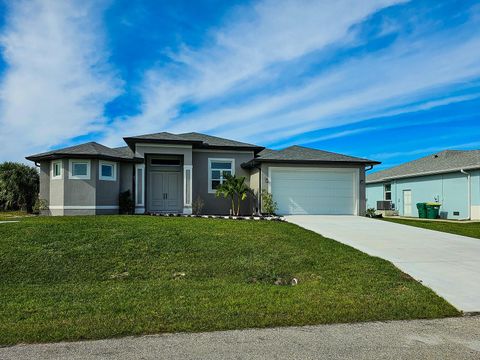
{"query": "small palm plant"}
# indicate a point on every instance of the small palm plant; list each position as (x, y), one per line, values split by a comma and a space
(234, 188)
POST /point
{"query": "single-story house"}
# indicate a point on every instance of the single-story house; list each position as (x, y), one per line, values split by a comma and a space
(167, 172)
(450, 177)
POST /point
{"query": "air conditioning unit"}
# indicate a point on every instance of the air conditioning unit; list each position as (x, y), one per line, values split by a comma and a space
(384, 205)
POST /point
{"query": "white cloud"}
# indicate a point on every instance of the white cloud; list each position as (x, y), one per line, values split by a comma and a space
(252, 40)
(57, 79)
(415, 73)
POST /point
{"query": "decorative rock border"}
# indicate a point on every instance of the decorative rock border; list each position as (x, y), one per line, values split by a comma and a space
(260, 218)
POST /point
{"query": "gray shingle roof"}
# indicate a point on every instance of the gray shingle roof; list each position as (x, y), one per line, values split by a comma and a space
(90, 149)
(161, 136)
(210, 140)
(442, 162)
(303, 154)
(193, 138)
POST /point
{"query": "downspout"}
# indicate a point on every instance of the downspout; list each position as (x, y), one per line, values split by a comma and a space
(469, 183)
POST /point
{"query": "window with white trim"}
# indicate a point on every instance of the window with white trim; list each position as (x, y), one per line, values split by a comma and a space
(57, 169)
(217, 169)
(107, 170)
(79, 169)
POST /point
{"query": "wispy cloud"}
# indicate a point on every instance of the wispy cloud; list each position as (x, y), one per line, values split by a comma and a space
(57, 79)
(261, 46)
(243, 51)
(397, 154)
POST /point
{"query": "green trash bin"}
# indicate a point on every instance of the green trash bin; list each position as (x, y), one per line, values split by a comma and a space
(433, 210)
(422, 210)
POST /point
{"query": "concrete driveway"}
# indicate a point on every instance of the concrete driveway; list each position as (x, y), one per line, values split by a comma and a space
(448, 264)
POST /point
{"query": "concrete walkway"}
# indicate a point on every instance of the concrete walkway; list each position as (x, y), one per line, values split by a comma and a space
(449, 264)
(455, 338)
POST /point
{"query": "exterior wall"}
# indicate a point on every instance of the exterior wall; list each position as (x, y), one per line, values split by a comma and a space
(107, 191)
(255, 186)
(57, 189)
(451, 190)
(81, 197)
(213, 204)
(361, 188)
(185, 150)
(81, 192)
(476, 194)
(44, 189)
(374, 194)
(126, 177)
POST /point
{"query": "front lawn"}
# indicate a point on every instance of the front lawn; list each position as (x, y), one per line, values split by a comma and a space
(471, 229)
(12, 215)
(71, 278)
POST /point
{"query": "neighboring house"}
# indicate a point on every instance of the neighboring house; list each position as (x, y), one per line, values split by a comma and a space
(451, 177)
(167, 172)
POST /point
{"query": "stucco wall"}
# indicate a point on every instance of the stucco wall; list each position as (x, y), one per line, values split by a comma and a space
(212, 204)
(126, 177)
(184, 150)
(374, 193)
(44, 191)
(361, 188)
(81, 192)
(57, 186)
(450, 190)
(107, 191)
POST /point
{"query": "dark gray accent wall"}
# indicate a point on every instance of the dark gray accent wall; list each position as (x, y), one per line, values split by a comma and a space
(126, 177)
(213, 204)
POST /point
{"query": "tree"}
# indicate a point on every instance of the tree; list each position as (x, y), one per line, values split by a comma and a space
(19, 186)
(234, 188)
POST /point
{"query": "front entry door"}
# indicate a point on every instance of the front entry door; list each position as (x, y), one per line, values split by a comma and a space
(164, 191)
(407, 202)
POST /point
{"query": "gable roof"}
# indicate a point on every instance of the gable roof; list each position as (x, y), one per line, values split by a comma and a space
(87, 150)
(301, 154)
(442, 162)
(197, 140)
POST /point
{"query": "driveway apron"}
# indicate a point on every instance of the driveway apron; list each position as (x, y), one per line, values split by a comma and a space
(448, 264)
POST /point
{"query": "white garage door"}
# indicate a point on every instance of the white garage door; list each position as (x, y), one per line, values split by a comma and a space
(314, 191)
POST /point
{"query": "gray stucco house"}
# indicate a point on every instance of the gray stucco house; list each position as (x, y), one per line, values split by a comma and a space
(167, 172)
(450, 177)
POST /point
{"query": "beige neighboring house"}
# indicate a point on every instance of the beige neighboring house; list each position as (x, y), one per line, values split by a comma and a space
(166, 173)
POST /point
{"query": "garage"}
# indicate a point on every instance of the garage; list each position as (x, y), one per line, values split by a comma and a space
(320, 191)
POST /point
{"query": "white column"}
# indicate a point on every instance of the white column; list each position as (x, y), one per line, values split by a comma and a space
(187, 189)
(139, 188)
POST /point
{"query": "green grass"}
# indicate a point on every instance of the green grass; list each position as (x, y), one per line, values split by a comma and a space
(471, 229)
(72, 278)
(12, 215)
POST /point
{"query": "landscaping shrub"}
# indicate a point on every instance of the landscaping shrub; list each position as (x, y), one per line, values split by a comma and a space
(269, 206)
(125, 203)
(19, 185)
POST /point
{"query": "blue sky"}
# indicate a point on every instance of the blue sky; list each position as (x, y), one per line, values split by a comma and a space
(390, 80)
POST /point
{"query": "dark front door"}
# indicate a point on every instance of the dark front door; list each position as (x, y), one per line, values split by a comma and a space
(165, 191)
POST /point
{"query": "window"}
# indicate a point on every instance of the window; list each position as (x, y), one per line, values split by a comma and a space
(79, 169)
(57, 169)
(388, 191)
(217, 169)
(107, 171)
